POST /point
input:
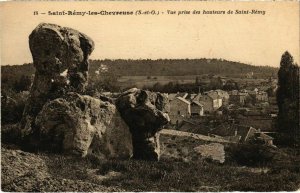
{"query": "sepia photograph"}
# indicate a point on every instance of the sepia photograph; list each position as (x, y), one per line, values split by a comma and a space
(150, 96)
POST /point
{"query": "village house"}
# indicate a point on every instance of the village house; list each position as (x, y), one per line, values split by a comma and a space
(259, 96)
(197, 109)
(263, 138)
(233, 92)
(249, 75)
(180, 109)
(210, 102)
(216, 98)
(238, 98)
(206, 101)
(262, 96)
(252, 92)
(223, 95)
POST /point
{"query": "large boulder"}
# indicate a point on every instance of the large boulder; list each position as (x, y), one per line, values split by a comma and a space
(60, 56)
(59, 117)
(81, 125)
(145, 113)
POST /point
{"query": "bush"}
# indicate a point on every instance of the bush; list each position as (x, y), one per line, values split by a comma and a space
(12, 106)
(254, 155)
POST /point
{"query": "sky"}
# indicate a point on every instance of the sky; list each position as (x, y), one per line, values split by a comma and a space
(249, 38)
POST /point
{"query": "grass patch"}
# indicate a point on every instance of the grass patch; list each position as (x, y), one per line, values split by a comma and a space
(134, 175)
(169, 175)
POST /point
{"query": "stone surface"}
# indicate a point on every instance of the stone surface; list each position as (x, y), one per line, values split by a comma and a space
(60, 56)
(58, 117)
(83, 125)
(145, 113)
(214, 151)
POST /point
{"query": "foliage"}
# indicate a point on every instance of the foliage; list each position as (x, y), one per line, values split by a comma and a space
(104, 82)
(16, 77)
(288, 98)
(252, 155)
(23, 84)
(231, 85)
(271, 92)
(12, 106)
(179, 67)
(174, 87)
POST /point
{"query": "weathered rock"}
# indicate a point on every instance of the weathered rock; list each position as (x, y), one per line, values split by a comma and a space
(60, 56)
(145, 113)
(83, 125)
(214, 151)
(58, 117)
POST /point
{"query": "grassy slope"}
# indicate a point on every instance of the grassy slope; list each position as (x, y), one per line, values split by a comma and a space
(23, 171)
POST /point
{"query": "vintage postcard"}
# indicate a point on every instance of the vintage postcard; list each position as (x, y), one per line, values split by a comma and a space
(150, 96)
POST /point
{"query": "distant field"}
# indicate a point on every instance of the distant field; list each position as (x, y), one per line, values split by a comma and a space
(140, 81)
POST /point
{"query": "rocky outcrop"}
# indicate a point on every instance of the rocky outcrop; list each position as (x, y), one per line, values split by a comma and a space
(145, 113)
(58, 117)
(60, 56)
(83, 125)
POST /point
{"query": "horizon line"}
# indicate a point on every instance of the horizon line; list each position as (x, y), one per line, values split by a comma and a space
(114, 59)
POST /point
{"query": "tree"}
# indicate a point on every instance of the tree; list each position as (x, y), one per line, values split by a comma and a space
(271, 91)
(231, 85)
(23, 84)
(288, 98)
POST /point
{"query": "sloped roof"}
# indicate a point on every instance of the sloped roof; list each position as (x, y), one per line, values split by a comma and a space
(194, 128)
(265, 136)
(234, 139)
(197, 103)
(183, 100)
(182, 95)
(172, 96)
(262, 92)
(190, 97)
(222, 93)
(213, 95)
(251, 132)
(197, 97)
(225, 130)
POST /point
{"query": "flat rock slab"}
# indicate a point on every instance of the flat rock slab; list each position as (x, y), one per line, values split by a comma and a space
(214, 151)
